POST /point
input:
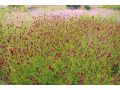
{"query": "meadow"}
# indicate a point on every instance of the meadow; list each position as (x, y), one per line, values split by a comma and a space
(60, 49)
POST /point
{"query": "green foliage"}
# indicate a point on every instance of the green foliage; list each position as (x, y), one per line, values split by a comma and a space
(2, 82)
(16, 8)
(73, 6)
(87, 7)
(79, 50)
(2, 11)
(114, 7)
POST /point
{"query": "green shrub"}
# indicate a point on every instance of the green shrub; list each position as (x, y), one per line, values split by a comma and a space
(16, 7)
(87, 7)
(73, 6)
(114, 7)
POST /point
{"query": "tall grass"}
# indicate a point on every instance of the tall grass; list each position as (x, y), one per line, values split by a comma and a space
(1, 13)
(78, 50)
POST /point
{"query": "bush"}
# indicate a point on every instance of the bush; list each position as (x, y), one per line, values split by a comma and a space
(87, 7)
(73, 6)
(114, 7)
(16, 8)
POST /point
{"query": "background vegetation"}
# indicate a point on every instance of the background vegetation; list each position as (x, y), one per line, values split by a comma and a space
(114, 7)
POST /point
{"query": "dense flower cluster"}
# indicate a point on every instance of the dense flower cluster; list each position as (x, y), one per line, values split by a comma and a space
(17, 18)
(76, 50)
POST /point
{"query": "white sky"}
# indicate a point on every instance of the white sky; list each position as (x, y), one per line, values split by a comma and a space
(59, 2)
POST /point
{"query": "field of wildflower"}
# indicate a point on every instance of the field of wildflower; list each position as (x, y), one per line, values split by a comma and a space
(61, 47)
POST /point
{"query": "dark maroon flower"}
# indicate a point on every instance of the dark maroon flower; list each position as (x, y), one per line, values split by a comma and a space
(50, 67)
(109, 54)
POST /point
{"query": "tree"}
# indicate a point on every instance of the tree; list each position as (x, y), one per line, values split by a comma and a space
(73, 6)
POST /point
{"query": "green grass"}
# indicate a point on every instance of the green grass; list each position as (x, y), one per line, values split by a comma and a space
(82, 50)
(1, 13)
(50, 7)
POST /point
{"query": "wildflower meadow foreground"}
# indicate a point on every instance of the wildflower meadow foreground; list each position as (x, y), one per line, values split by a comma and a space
(66, 47)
